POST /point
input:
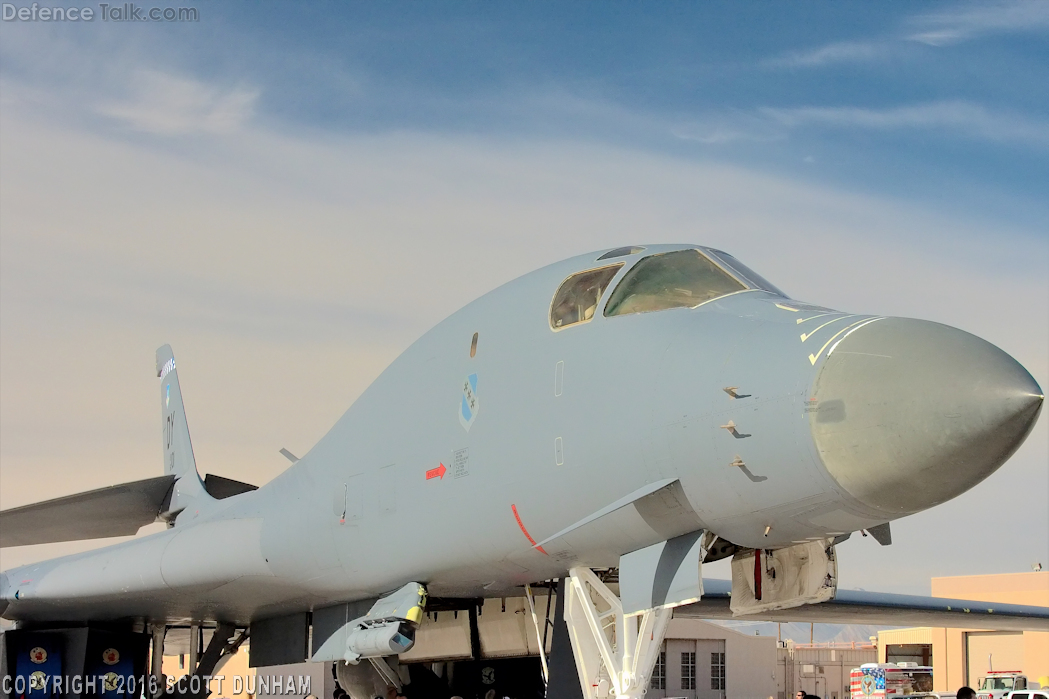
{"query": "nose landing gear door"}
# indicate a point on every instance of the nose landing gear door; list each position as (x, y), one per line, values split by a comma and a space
(767, 580)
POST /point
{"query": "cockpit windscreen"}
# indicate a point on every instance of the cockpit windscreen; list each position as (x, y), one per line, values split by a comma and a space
(685, 278)
(753, 278)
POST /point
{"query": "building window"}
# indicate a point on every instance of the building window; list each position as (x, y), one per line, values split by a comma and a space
(688, 670)
(717, 671)
(659, 673)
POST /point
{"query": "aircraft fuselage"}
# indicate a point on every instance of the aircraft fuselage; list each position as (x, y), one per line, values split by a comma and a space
(496, 430)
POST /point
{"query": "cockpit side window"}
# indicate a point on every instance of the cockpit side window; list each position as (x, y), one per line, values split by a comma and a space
(577, 298)
(685, 278)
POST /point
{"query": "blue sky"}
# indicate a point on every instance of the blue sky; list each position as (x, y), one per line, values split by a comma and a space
(299, 190)
(891, 96)
(940, 102)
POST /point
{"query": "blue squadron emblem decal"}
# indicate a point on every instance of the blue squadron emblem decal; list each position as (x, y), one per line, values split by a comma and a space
(469, 406)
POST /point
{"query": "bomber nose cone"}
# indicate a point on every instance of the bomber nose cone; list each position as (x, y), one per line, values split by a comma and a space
(912, 413)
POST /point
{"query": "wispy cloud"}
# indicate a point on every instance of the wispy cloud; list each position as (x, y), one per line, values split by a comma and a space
(954, 118)
(729, 127)
(837, 52)
(965, 23)
(943, 28)
(966, 118)
(167, 104)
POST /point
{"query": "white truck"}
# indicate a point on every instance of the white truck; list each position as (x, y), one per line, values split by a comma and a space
(998, 683)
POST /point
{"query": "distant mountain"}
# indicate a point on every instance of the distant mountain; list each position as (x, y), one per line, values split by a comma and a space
(799, 633)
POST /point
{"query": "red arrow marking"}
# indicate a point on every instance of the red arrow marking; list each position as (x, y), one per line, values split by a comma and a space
(436, 473)
(525, 531)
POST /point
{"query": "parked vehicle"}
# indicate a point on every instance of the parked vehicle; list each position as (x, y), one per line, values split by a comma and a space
(882, 680)
(999, 683)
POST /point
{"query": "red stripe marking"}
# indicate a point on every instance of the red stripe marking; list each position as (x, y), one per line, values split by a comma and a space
(525, 531)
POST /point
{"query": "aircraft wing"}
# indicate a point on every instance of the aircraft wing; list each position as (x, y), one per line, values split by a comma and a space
(117, 510)
(860, 607)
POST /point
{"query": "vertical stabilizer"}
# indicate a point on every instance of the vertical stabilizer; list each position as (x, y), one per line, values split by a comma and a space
(178, 450)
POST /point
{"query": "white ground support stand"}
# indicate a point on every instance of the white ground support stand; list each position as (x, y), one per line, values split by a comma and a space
(614, 653)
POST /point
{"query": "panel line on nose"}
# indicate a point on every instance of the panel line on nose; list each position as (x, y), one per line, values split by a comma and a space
(805, 336)
(854, 326)
(799, 321)
(872, 320)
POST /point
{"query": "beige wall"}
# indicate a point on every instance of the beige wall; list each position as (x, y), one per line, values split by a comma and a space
(236, 665)
(993, 650)
(750, 661)
(1013, 588)
(1010, 588)
(960, 655)
(1036, 656)
(819, 670)
(702, 647)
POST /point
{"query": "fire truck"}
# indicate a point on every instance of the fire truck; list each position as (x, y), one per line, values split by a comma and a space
(998, 683)
(884, 680)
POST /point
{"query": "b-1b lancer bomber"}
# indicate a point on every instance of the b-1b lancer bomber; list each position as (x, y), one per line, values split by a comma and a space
(625, 416)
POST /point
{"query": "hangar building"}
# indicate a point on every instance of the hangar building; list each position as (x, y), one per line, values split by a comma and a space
(961, 656)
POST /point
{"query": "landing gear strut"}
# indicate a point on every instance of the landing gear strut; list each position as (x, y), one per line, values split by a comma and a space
(225, 641)
(614, 653)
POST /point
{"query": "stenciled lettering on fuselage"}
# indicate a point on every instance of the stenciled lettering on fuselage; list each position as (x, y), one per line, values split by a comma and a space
(469, 405)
